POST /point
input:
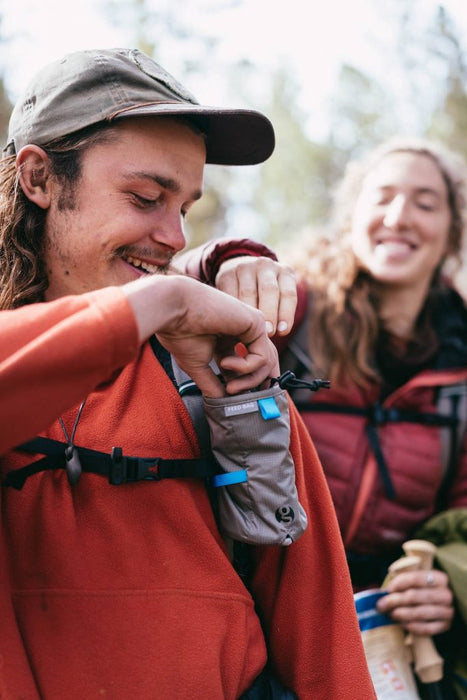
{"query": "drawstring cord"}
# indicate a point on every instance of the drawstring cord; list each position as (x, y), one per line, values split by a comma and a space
(73, 465)
(289, 380)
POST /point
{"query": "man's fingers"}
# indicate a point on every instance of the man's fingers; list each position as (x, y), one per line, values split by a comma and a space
(245, 369)
(250, 366)
(237, 383)
(197, 324)
(206, 378)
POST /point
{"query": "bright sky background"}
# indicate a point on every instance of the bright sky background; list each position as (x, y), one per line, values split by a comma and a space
(311, 37)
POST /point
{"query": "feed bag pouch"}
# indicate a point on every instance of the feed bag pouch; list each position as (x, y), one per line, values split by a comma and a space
(257, 496)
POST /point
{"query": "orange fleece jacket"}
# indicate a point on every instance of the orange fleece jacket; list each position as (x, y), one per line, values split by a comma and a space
(127, 591)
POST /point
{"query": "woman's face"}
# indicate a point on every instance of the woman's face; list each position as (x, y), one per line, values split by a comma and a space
(401, 220)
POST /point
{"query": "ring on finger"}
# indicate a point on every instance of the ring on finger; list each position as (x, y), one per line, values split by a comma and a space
(430, 579)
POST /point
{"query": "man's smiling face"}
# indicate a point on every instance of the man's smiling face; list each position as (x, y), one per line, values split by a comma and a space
(125, 217)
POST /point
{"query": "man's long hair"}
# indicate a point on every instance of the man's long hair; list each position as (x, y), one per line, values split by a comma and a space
(345, 322)
(23, 274)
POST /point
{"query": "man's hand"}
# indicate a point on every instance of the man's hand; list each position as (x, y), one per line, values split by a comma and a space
(263, 284)
(421, 601)
(197, 324)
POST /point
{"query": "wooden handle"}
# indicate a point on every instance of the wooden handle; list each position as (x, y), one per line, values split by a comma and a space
(423, 549)
(428, 663)
(409, 563)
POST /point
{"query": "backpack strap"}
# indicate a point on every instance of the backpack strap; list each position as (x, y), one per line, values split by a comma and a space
(189, 392)
(193, 400)
(122, 469)
(450, 417)
(296, 356)
(239, 553)
(451, 401)
(117, 467)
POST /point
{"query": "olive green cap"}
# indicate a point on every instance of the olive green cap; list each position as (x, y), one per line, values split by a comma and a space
(92, 86)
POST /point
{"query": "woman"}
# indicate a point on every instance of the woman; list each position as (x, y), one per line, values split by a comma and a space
(382, 320)
(379, 317)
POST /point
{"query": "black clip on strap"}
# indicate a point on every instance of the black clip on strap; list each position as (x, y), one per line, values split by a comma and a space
(125, 469)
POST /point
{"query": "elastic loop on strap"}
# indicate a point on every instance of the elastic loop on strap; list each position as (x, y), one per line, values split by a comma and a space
(229, 478)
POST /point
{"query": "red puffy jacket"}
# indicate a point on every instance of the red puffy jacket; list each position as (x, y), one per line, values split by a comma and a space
(383, 460)
(386, 471)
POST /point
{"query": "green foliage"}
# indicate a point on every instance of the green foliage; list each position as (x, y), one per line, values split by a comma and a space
(206, 219)
(294, 189)
(5, 111)
(293, 186)
(296, 186)
(448, 121)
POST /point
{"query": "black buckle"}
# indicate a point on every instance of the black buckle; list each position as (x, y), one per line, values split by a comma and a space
(380, 414)
(124, 469)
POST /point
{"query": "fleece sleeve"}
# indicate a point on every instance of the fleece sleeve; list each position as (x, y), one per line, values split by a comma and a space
(305, 597)
(53, 354)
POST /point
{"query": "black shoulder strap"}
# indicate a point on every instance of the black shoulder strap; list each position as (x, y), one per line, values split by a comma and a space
(296, 356)
(193, 401)
(450, 417)
(451, 401)
(239, 552)
(188, 391)
(117, 467)
(120, 468)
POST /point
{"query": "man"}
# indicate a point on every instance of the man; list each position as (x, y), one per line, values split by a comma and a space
(128, 591)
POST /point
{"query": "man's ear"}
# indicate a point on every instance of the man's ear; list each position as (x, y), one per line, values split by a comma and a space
(33, 166)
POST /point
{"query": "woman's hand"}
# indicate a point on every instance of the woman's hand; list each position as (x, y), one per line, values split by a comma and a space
(263, 284)
(421, 601)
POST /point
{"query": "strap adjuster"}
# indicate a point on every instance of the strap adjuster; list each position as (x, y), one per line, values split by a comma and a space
(379, 414)
(126, 469)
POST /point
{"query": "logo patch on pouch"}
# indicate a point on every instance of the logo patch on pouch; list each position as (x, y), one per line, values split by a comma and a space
(240, 408)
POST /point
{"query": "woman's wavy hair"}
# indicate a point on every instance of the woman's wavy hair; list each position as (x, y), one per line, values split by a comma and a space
(23, 274)
(345, 321)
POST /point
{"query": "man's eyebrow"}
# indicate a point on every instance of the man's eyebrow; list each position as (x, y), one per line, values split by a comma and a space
(167, 183)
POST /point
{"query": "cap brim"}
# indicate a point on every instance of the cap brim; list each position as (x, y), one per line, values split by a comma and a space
(233, 136)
